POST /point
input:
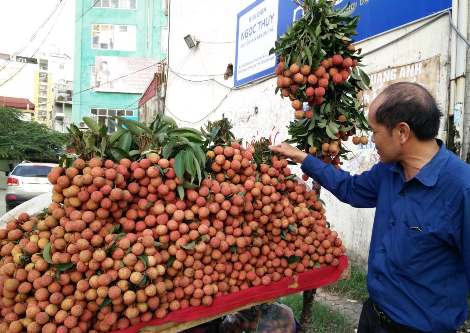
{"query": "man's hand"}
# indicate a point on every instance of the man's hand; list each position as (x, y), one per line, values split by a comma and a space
(289, 151)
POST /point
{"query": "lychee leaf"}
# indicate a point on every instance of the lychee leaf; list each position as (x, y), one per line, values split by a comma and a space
(145, 259)
(310, 140)
(180, 189)
(46, 254)
(364, 77)
(293, 259)
(189, 246)
(64, 267)
(107, 301)
(179, 164)
(330, 133)
(170, 261)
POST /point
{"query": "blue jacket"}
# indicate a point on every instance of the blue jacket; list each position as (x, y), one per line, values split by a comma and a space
(419, 257)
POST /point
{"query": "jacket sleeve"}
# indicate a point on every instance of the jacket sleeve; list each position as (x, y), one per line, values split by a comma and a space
(359, 190)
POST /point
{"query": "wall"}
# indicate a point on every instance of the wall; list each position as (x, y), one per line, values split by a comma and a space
(148, 19)
(197, 92)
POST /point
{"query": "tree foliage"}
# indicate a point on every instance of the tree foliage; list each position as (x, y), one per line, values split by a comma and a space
(25, 140)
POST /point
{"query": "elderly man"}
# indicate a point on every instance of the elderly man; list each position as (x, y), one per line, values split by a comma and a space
(419, 259)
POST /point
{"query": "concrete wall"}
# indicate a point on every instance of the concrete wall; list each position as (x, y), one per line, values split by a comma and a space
(197, 91)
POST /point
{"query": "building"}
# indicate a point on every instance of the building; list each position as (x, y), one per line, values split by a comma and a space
(396, 47)
(152, 101)
(43, 93)
(22, 104)
(62, 105)
(35, 79)
(118, 46)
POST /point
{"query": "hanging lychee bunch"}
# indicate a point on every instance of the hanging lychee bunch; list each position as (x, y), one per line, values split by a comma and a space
(313, 83)
(319, 71)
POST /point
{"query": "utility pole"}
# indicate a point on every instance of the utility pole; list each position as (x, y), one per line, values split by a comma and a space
(465, 153)
(458, 72)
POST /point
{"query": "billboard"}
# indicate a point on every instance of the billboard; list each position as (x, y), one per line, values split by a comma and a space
(257, 30)
(259, 25)
(122, 74)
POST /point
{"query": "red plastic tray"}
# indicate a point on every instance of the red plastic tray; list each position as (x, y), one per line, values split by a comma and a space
(289, 285)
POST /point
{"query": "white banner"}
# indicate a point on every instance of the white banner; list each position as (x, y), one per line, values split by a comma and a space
(125, 75)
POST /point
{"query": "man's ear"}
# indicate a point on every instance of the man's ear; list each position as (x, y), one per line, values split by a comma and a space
(404, 132)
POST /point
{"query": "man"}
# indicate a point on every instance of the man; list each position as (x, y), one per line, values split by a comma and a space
(419, 259)
(103, 76)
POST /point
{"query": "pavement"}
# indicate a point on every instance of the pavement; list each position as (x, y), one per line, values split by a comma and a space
(350, 308)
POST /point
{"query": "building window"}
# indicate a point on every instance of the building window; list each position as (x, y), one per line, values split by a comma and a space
(43, 64)
(116, 4)
(105, 117)
(42, 77)
(113, 37)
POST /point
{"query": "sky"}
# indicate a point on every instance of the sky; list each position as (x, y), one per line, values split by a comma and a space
(19, 19)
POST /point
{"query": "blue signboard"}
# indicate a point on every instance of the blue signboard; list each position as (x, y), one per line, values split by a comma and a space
(375, 17)
(257, 30)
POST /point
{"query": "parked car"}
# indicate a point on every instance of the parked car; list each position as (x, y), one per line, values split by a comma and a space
(26, 181)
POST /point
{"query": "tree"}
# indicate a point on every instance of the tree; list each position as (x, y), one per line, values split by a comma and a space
(24, 140)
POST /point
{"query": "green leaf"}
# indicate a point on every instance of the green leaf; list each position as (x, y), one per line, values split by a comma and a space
(116, 229)
(198, 170)
(145, 259)
(293, 259)
(331, 131)
(197, 149)
(189, 246)
(92, 124)
(310, 140)
(118, 154)
(111, 248)
(180, 189)
(233, 249)
(179, 164)
(104, 144)
(107, 301)
(116, 135)
(168, 150)
(311, 126)
(189, 185)
(46, 254)
(64, 267)
(364, 77)
(170, 261)
(133, 153)
(355, 74)
(292, 228)
(189, 159)
(309, 56)
(125, 141)
(103, 131)
(120, 236)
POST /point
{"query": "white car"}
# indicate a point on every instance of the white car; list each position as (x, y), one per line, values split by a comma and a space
(26, 181)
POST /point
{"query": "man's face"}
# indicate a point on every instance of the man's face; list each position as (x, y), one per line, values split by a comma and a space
(387, 141)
